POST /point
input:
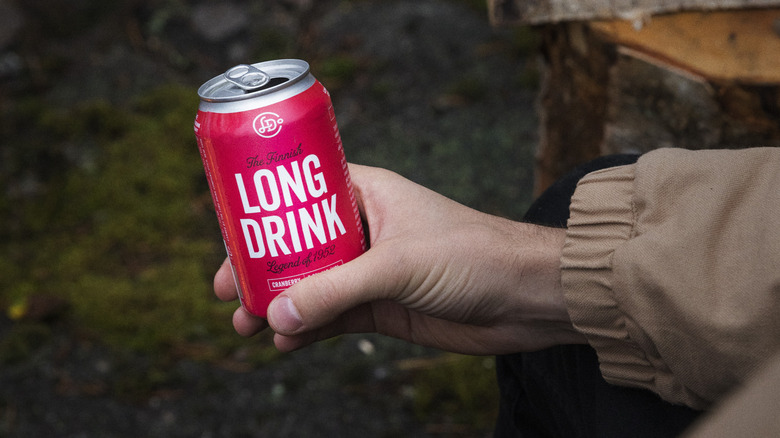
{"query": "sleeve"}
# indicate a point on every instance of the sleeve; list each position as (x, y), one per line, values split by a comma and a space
(750, 411)
(671, 268)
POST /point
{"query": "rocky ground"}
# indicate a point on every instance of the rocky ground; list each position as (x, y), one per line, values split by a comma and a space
(424, 87)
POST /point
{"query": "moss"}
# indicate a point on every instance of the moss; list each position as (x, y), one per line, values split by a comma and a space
(263, 354)
(273, 44)
(526, 41)
(136, 379)
(459, 390)
(337, 71)
(63, 19)
(128, 240)
(468, 88)
(19, 342)
(477, 5)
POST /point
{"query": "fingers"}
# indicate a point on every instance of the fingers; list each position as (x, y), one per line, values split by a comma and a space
(385, 272)
(319, 306)
(321, 299)
(224, 285)
(358, 320)
(329, 310)
(287, 319)
(246, 324)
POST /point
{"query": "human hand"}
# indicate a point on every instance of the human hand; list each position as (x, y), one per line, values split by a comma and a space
(437, 274)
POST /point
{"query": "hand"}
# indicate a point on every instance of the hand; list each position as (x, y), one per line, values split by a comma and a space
(437, 274)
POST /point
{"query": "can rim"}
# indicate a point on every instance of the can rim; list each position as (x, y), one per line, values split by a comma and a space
(221, 89)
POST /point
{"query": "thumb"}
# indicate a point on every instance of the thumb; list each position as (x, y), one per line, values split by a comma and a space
(321, 299)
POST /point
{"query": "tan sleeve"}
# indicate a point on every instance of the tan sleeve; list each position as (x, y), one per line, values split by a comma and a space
(671, 268)
(749, 412)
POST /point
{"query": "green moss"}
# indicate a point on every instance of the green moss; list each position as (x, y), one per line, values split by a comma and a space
(468, 88)
(336, 71)
(124, 229)
(263, 352)
(273, 44)
(62, 19)
(460, 390)
(526, 41)
(477, 5)
(20, 341)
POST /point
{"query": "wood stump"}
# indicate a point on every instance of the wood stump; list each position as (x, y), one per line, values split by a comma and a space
(693, 80)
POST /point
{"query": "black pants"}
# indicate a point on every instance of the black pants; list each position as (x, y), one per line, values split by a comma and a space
(559, 392)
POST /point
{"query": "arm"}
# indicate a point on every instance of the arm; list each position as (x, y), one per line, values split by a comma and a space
(671, 269)
(437, 274)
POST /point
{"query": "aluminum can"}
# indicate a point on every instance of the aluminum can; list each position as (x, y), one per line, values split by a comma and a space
(275, 164)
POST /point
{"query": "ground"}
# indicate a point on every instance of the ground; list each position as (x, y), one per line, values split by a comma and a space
(108, 325)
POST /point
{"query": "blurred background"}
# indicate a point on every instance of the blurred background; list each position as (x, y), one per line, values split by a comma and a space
(109, 241)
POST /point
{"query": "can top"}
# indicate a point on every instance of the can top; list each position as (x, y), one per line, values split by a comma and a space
(249, 81)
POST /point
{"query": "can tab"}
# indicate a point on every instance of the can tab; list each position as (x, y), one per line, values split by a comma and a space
(247, 77)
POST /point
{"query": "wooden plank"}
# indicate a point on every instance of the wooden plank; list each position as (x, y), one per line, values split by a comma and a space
(512, 12)
(728, 46)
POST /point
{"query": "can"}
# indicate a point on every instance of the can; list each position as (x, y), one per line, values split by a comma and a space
(275, 164)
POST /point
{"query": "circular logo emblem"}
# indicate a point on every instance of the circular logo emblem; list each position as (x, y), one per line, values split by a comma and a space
(267, 125)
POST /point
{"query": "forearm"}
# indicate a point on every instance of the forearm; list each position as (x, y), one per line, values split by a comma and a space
(535, 279)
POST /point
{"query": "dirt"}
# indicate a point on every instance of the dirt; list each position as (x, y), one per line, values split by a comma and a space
(424, 87)
(70, 387)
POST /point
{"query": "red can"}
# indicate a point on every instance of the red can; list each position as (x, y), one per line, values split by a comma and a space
(273, 157)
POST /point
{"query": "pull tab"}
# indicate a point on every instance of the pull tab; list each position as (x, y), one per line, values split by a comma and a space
(247, 77)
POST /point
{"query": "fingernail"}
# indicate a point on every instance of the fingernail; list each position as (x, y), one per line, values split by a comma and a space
(284, 315)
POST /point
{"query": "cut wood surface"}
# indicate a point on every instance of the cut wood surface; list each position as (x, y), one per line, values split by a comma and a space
(732, 46)
(551, 11)
(602, 97)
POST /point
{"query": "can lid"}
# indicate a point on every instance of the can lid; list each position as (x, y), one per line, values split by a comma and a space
(247, 77)
(248, 81)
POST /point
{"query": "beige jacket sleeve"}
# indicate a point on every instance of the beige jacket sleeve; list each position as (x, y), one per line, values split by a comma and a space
(671, 269)
(748, 412)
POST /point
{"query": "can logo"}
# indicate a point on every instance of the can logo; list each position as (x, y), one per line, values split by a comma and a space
(268, 124)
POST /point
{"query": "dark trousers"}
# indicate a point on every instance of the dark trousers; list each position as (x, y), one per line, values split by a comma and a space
(559, 392)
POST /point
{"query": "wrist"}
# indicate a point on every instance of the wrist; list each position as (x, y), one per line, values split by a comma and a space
(539, 251)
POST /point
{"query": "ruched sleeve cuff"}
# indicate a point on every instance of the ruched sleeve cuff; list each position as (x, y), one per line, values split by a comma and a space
(670, 269)
(602, 219)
